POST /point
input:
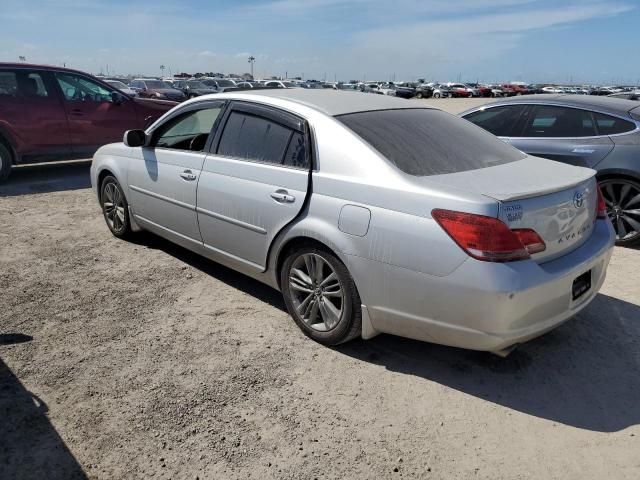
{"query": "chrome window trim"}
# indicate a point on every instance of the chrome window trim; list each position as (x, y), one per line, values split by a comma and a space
(554, 104)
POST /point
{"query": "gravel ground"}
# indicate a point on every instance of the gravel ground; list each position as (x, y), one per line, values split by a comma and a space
(141, 360)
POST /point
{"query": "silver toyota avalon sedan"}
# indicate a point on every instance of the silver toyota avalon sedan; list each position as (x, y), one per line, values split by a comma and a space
(369, 213)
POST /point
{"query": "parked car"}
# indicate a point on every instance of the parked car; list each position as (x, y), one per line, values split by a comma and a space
(50, 113)
(123, 87)
(599, 133)
(496, 91)
(603, 91)
(284, 84)
(219, 84)
(151, 88)
(193, 88)
(633, 95)
(419, 224)
(460, 90)
(404, 90)
(441, 91)
(424, 91)
(516, 89)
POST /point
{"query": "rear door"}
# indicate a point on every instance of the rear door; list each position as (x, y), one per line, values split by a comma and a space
(254, 183)
(33, 114)
(564, 134)
(163, 176)
(94, 118)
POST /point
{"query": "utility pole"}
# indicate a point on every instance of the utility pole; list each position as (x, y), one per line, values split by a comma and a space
(162, 67)
(251, 60)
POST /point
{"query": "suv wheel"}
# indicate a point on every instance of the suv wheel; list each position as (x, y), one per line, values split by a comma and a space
(419, 95)
(321, 295)
(5, 162)
(115, 207)
(622, 198)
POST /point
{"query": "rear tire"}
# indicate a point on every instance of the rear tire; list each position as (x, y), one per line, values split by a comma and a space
(419, 95)
(115, 208)
(437, 95)
(622, 199)
(320, 295)
(5, 162)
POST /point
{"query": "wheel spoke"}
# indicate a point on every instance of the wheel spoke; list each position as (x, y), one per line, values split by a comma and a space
(330, 314)
(319, 266)
(303, 306)
(622, 232)
(298, 285)
(608, 189)
(120, 214)
(303, 277)
(310, 264)
(633, 224)
(633, 201)
(313, 314)
(624, 191)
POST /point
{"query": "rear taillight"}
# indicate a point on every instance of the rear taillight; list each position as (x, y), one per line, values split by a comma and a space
(487, 238)
(601, 211)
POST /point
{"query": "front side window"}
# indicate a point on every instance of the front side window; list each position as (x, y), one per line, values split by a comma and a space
(8, 83)
(608, 125)
(498, 120)
(254, 138)
(424, 142)
(80, 89)
(189, 131)
(559, 122)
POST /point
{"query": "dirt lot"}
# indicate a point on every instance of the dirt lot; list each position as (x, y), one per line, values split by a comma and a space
(141, 360)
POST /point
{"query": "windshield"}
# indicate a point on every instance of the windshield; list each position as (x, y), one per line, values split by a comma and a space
(117, 84)
(225, 83)
(196, 85)
(157, 84)
(424, 142)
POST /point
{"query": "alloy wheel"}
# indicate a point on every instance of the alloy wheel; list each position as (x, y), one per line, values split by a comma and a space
(316, 292)
(622, 199)
(113, 207)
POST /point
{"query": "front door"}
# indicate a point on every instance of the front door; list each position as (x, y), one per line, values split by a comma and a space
(94, 118)
(254, 183)
(163, 176)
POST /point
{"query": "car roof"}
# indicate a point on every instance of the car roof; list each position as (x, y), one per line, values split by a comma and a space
(615, 106)
(329, 101)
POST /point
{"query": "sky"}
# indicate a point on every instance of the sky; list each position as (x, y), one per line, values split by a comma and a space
(564, 41)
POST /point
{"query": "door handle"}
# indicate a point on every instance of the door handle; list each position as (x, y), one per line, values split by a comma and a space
(188, 175)
(282, 196)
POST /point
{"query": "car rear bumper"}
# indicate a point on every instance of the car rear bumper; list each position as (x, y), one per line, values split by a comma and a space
(481, 305)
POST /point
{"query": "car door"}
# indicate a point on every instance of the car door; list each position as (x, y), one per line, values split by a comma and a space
(94, 118)
(565, 134)
(499, 120)
(32, 114)
(254, 183)
(163, 176)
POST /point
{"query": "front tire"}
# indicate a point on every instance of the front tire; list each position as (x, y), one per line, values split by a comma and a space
(622, 199)
(5, 162)
(321, 296)
(115, 208)
(437, 95)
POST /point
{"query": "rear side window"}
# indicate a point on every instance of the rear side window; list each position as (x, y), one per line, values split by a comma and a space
(22, 83)
(498, 120)
(425, 142)
(8, 83)
(608, 125)
(551, 121)
(255, 138)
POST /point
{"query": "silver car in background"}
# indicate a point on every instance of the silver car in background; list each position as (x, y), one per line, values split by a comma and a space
(602, 133)
(369, 213)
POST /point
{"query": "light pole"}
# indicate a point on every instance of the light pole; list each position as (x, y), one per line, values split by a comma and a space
(251, 60)
(162, 67)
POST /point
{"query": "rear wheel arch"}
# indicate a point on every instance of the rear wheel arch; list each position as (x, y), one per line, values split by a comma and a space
(5, 140)
(296, 243)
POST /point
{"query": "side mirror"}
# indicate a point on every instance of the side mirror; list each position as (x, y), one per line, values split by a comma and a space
(135, 138)
(117, 98)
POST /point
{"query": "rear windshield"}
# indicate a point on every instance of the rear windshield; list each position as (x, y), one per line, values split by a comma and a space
(425, 142)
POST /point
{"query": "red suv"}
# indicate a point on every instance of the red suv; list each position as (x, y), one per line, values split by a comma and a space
(50, 113)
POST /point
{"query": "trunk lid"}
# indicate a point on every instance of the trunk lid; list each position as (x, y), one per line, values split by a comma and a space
(558, 201)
